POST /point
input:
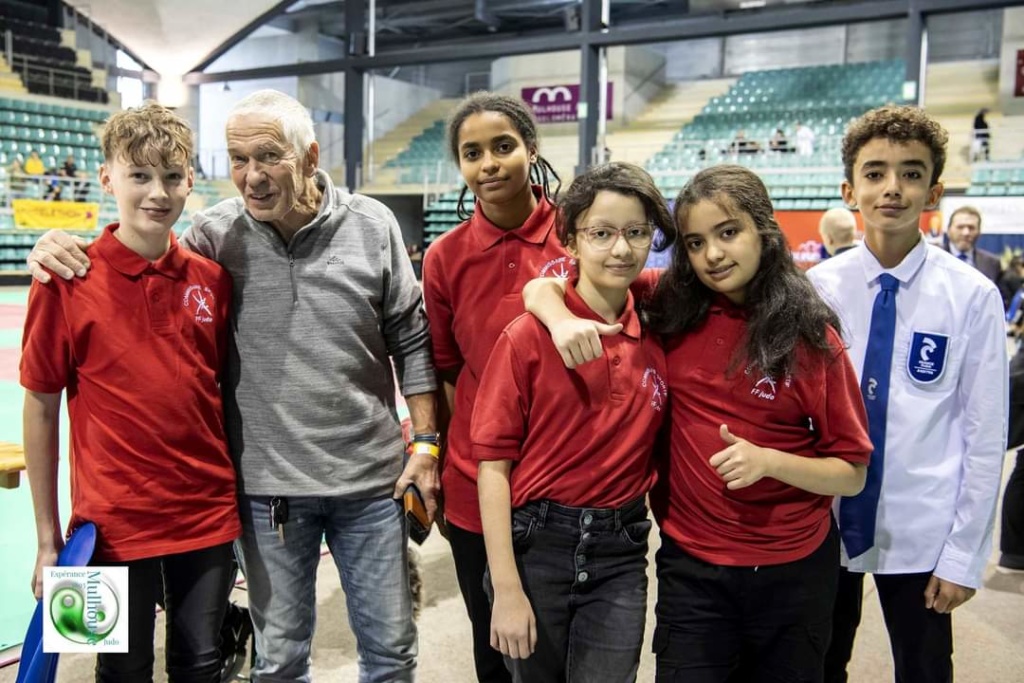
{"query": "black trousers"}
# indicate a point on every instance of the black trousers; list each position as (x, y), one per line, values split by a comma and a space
(195, 586)
(1011, 540)
(722, 624)
(470, 556)
(921, 639)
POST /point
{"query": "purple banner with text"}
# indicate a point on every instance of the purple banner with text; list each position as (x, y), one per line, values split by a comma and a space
(557, 103)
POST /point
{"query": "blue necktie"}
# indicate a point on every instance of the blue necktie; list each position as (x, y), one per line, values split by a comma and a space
(857, 514)
(963, 256)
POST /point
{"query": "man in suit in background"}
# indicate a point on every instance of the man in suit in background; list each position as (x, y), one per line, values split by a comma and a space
(961, 236)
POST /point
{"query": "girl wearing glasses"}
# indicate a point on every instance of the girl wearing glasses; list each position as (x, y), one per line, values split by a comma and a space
(767, 424)
(565, 455)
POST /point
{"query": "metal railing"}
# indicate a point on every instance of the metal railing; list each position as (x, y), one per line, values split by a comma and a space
(55, 79)
(54, 188)
(81, 188)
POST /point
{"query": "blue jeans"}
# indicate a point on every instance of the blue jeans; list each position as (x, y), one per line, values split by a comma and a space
(367, 539)
(585, 574)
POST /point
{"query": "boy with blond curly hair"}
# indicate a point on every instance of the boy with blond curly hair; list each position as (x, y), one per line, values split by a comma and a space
(138, 345)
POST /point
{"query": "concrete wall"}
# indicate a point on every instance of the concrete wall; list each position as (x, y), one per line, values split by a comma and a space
(645, 77)
(877, 40)
(783, 49)
(395, 101)
(304, 45)
(951, 37)
(691, 60)
(449, 79)
(1012, 40)
(637, 73)
(964, 36)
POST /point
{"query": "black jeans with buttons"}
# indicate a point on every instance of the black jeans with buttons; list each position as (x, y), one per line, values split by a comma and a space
(584, 571)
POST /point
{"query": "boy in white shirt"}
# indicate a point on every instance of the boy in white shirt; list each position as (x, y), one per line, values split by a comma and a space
(926, 332)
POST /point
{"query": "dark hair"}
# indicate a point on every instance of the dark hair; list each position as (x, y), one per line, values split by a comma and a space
(901, 124)
(784, 309)
(521, 117)
(620, 177)
(969, 210)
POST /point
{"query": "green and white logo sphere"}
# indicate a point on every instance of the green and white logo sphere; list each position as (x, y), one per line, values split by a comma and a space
(86, 612)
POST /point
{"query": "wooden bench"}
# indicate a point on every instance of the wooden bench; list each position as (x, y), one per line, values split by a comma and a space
(12, 462)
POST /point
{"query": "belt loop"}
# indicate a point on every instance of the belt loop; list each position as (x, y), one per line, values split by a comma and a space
(542, 514)
(618, 519)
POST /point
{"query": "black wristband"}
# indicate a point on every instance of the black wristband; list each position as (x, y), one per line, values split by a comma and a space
(427, 437)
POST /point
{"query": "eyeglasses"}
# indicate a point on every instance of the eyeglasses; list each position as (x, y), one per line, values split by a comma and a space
(602, 237)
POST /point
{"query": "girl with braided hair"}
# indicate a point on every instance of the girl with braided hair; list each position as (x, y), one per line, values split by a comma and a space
(473, 278)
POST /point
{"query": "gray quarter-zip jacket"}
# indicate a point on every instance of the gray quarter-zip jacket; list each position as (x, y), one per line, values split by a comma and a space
(309, 389)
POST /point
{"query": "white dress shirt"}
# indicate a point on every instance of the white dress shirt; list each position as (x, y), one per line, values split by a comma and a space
(945, 437)
(968, 255)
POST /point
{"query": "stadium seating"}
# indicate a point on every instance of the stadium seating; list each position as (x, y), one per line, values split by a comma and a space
(45, 65)
(53, 130)
(424, 158)
(442, 215)
(998, 179)
(824, 98)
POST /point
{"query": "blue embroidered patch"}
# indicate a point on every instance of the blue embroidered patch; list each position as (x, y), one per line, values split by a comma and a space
(927, 358)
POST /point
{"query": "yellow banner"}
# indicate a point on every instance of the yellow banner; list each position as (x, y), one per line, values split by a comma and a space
(35, 214)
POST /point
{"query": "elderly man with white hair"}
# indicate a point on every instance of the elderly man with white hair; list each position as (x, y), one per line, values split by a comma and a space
(325, 304)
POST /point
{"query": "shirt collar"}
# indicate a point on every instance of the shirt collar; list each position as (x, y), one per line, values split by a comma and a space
(721, 305)
(904, 271)
(629, 319)
(127, 262)
(956, 252)
(327, 190)
(535, 230)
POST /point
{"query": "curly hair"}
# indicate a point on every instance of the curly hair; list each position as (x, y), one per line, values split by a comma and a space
(622, 178)
(900, 124)
(521, 117)
(149, 134)
(784, 308)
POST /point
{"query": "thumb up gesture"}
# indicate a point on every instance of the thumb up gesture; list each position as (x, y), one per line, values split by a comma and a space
(740, 463)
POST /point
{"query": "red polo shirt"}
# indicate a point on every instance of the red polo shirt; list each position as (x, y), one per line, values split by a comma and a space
(473, 278)
(579, 437)
(139, 348)
(816, 412)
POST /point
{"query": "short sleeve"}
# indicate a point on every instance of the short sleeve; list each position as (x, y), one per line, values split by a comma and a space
(440, 314)
(839, 415)
(498, 427)
(46, 346)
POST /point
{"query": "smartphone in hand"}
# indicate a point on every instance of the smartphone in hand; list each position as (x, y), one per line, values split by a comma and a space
(416, 513)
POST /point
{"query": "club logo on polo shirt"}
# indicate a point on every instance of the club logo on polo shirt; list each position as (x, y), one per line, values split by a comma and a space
(927, 358)
(656, 388)
(198, 301)
(767, 387)
(560, 267)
